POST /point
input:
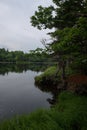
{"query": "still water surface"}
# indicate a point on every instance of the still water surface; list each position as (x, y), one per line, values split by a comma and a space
(19, 95)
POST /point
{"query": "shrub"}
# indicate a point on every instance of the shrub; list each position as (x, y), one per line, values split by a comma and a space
(48, 77)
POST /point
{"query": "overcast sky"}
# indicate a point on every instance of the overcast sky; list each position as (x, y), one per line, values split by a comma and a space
(16, 32)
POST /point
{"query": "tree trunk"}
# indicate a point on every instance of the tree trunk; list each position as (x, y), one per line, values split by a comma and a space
(64, 70)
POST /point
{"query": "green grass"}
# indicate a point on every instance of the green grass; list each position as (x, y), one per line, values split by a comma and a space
(70, 113)
(73, 111)
(48, 77)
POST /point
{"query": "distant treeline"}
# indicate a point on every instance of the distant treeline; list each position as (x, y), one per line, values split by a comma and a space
(38, 55)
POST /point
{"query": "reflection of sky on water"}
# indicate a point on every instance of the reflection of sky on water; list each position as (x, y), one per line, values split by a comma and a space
(18, 94)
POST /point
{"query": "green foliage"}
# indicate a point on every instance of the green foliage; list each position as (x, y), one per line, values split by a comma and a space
(64, 14)
(37, 55)
(73, 110)
(72, 43)
(71, 39)
(50, 71)
(69, 113)
(48, 77)
(42, 17)
(69, 18)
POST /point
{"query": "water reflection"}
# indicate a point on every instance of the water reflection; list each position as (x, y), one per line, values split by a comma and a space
(5, 68)
(53, 90)
(18, 93)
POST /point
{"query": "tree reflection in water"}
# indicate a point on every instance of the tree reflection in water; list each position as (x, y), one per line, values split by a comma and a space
(51, 89)
(5, 68)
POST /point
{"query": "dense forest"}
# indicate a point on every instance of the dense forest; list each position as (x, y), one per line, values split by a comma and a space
(37, 55)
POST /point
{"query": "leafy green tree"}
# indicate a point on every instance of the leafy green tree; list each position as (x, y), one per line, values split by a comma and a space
(72, 43)
(64, 14)
(69, 18)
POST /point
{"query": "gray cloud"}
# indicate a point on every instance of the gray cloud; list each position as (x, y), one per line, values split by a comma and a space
(16, 32)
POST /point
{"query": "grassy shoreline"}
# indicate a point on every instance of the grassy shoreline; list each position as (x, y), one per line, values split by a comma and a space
(69, 113)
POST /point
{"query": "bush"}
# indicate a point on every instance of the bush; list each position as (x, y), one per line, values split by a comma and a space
(48, 77)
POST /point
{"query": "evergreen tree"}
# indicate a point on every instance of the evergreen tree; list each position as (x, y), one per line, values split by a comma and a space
(69, 18)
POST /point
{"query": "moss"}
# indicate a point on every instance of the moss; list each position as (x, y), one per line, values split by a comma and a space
(48, 77)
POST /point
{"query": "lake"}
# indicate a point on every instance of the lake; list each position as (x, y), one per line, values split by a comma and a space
(18, 93)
